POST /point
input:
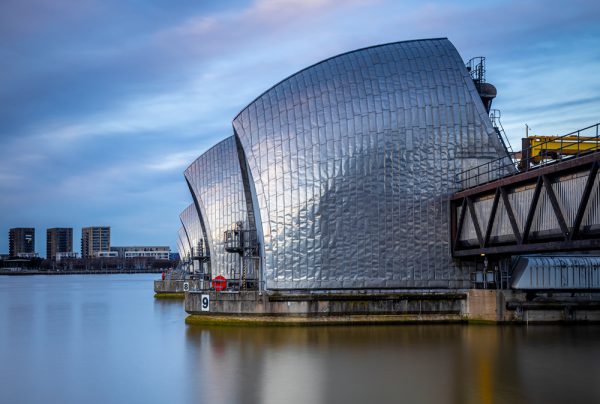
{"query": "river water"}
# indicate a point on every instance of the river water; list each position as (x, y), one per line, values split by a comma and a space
(105, 339)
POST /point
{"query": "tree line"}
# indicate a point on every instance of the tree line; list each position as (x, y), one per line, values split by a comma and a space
(90, 264)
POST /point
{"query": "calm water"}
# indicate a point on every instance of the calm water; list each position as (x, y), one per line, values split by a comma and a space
(105, 339)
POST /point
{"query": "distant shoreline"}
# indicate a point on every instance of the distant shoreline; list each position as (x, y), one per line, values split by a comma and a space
(81, 272)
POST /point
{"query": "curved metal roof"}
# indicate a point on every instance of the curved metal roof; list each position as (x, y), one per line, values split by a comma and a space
(329, 59)
(352, 160)
(215, 180)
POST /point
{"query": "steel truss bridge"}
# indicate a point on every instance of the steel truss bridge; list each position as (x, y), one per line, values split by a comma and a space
(549, 207)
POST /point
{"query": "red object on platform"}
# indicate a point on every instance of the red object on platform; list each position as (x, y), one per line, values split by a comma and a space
(219, 283)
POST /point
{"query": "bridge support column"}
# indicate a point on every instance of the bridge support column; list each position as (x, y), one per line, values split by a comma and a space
(483, 305)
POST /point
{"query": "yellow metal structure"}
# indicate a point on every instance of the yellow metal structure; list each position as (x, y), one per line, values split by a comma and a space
(540, 148)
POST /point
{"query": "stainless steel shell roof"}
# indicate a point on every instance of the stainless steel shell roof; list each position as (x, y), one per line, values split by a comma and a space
(191, 224)
(180, 250)
(183, 244)
(352, 161)
(216, 181)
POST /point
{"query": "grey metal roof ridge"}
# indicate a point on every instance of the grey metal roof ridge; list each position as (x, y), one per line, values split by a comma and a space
(206, 151)
(330, 58)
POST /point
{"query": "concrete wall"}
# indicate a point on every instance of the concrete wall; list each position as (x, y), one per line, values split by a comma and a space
(174, 286)
(335, 307)
(493, 306)
(532, 306)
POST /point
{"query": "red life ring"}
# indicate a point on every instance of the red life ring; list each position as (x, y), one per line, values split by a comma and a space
(219, 283)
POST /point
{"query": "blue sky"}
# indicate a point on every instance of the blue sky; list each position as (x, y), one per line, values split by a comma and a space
(104, 103)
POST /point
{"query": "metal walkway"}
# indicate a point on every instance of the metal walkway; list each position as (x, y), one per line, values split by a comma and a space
(511, 208)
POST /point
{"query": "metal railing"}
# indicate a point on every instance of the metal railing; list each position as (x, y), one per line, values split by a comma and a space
(476, 68)
(495, 118)
(178, 272)
(572, 145)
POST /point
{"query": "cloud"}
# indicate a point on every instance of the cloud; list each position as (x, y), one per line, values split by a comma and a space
(173, 161)
(104, 103)
(10, 180)
(262, 17)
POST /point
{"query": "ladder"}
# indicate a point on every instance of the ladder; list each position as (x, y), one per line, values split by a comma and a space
(495, 118)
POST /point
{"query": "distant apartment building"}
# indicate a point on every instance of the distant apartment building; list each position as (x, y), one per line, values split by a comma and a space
(59, 240)
(160, 252)
(21, 242)
(105, 254)
(65, 255)
(94, 240)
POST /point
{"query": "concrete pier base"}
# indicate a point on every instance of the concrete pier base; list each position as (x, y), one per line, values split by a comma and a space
(295, 320)
(174, 288)
(384, 307)
(518, 306)
(483, 305)
(301, 308)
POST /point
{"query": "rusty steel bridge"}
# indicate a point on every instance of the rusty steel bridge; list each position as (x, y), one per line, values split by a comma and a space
(509, 207)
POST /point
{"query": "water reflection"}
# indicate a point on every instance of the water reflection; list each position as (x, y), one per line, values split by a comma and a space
(424, 364)
(105, 339)
(166, 306)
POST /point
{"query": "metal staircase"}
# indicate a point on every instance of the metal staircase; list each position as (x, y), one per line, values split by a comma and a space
(476, 68)
(495, 118)
(243, 242)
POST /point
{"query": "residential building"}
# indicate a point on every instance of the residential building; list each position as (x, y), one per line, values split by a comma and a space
(157, 252)
(105, 254)
(58, 240)
(65, 255)
(94, 239)
(21, 242)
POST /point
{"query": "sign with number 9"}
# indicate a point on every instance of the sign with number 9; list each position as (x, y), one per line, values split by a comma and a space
(205, 302)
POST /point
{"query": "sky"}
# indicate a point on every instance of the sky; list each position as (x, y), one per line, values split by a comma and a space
(104, 103)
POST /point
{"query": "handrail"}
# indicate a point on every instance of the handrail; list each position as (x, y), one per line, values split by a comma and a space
(497, 124)
(500, 169)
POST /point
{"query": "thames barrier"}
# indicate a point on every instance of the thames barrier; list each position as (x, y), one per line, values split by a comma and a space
(379, 186)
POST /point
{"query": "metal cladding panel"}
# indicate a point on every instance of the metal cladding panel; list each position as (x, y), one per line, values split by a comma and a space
(216, 181)
(568, 190)
(180, 247)
(592, 216)
(554, 272)
(191, 224)
(353, 160)
(501, 229)
(185, 244)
